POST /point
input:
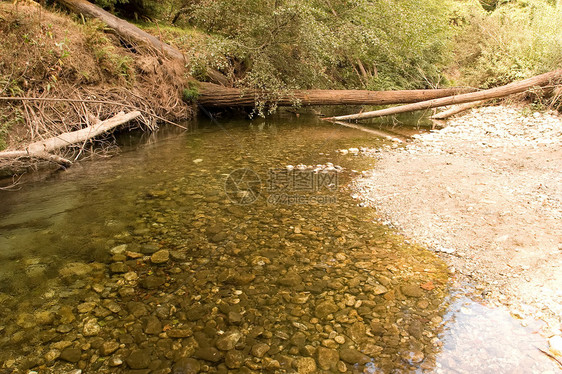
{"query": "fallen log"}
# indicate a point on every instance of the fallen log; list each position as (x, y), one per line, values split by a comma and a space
(214, 95)
(493, 93)
(41, 149)
(378, 133)
(456, 110)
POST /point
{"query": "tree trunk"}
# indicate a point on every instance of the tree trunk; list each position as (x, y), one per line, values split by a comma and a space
(456, 110)
(493, 93)
(125, 29)
(41, 149)
(212, 95)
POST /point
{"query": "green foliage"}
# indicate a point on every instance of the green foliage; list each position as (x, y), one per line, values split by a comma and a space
(283, 44)
(519, 39)
(191, 93)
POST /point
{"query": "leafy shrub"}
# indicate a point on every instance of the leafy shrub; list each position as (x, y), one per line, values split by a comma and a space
(302, 44)
(517, 40)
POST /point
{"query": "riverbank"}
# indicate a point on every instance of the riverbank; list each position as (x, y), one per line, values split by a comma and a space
(60, 73)
(486, 193)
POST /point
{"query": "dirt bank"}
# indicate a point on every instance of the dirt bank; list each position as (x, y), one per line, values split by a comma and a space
(486, 192)
(76, 73)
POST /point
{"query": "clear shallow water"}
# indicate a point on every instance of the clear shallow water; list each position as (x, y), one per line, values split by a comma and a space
(302, 283)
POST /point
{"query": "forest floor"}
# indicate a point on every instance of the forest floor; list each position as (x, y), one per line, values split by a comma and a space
(485, 192)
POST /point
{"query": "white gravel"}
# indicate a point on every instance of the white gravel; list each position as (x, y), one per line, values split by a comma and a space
(487, 192)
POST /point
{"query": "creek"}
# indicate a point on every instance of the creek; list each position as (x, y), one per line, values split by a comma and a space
(235, 246)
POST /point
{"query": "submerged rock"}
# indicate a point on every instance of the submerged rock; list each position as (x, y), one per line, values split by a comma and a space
(71, 354)
(186, 366)
(305, 365)
(139, 359)
(208, 354)
(325, 308)
(75, 269)
(234, 359)
(160, 257)
(260, 349)
(411, 290)
(228, 341)
(353, 356)
(327, 358)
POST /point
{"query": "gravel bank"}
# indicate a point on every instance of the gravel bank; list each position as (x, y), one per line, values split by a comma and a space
(486, 191)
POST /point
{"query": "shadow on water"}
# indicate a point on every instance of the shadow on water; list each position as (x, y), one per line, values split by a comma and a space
(145, 261)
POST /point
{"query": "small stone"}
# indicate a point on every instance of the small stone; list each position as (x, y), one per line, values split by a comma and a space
(160, 257)
(115, 361)
(412, 290)
(270, 364)
(555, 345)
(153, 326)
(133, 255)
(26, 320)
(108, 348)
(118, 267)
(91, 327)
(327, 358)
(260, 349)
(186, 366)
(71, 354)
(149, 249)
(44, 317)
(126, 292)
(179, 333)
(413, 357)
(152, 281)
(228, 340)
(325, 308)
(342, 368)
(234, 359)
(52, 355)
(291, 279)
(86, 307)
(341, 257)
(118, 249)
(208, 354)
(339, 339)
(234, 318)
(379, 289)
(353, 356)
(131, 276)
(75, 269)
(98, 288)
(357, 331)
(64, 328)
(305, 365)
(61, 344)
(139, 359)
